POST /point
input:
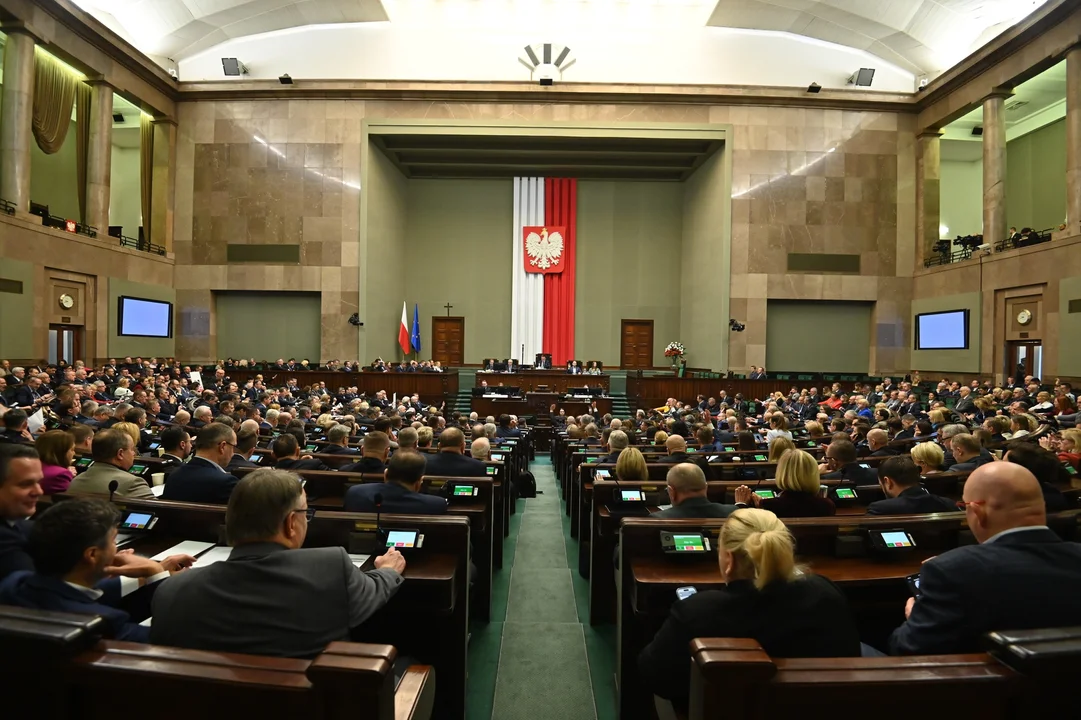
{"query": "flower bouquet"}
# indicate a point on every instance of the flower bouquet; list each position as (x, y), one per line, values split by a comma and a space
(675, 350)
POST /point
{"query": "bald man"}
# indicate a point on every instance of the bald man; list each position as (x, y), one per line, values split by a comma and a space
(677, 450)
(878, 443)
(1020, 576)
(687, 490)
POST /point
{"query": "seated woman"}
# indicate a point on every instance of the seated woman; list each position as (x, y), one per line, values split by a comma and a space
(1020, 425)
(929, 456)
(798, 480)
(631, 466)
(594, 368)
(790, 612)
(1067, 446)
(57, 451)
(778, 448)
(998, 426)
(778, 428)
(814, 429)
(938, 418)
(660, 438)
(122, 393)
(745, 440)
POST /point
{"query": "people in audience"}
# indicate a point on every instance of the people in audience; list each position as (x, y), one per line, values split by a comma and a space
(1004, 582)
(878, 443)
(778, 448)
(842, 463)
(1068, 446)
(56, 449)
(778, 427)
(969, 453)
(687, 489)
(451, 461)
(1046, 468)
(798, 481)
(928, 457)
(83, 437)
(20, 488)
(631, 466)
(374, 452)
(615, 444)
(899, 478)
(114, 454)
(788, 610)
(480, 449)
(203, 478)
(400, 492)
(77, 569)
(16, 428)
(272, 597)
(677, 450)
(286, 453)
(247, 439)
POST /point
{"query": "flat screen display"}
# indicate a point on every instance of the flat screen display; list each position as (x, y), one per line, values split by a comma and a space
(402, 538)
(942, 330)
(688, 543)
(138, 317)
(896, 539)
(464, 491)
(135, 521)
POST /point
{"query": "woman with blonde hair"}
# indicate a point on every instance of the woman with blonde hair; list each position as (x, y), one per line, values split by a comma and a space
(767, 597)
(122, 393)
(631, 466)
(929, 456)
(778, 448)
(660, 438)
(132, 430)
(798, 481)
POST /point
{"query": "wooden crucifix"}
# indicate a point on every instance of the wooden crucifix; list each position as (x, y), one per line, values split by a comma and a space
(448, 306)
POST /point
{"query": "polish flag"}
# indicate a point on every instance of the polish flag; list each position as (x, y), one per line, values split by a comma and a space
(403, 332)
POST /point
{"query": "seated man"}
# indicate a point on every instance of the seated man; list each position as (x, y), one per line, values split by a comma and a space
(20, 488)
(338, 442)
(451, 461)
(877, 440)
(272, 597)
(899, 478)
(506, 429)
(1020, 576)
(841, 464)
(400, 493)
(375, 449)
(617, 442)
(16, 428)
(286, 452)
(202, 479)
(687, 490)
(677, 450)
(114, 454)
(407, 439)
(247, 439)
(480, 449)
(175, 446)
(1047, 469)
(968, 453)
(78, 569)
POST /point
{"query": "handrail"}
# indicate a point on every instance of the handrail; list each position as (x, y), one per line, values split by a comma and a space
(965, 252)
(143, 245)
(7, 206)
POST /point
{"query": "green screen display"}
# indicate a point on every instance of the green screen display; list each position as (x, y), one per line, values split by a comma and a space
(846, 493)
(463, 491)
(137, 469)
(689, 543)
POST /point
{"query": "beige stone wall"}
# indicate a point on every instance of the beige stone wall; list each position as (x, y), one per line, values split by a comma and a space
(273, 171)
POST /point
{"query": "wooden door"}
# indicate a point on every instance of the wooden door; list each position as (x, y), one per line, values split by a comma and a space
(448, 340)
(636, 344)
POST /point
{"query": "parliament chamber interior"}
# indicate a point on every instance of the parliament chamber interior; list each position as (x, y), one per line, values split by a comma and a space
(618, 359)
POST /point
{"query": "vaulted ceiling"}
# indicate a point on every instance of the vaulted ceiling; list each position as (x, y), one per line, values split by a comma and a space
(922, 36)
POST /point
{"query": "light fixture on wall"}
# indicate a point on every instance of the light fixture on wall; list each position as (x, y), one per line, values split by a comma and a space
(977, 131)
(814, 88)
(547, 62)
(862, 77)
(233, 67)
(284, 79)
(943, 231)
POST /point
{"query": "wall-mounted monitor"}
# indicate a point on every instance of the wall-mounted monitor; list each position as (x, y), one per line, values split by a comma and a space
(141, 317)
(942, 330)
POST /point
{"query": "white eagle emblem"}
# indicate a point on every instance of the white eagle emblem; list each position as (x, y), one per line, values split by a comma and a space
(544, 250)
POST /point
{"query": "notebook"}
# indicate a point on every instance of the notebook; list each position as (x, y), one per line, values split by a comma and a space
(188, 547)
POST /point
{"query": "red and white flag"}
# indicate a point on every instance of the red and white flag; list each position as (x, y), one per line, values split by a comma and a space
(403, 332)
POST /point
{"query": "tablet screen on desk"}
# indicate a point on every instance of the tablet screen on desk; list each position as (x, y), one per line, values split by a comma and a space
(894, 538)
(83, 463)
(603, 474)
(497, 457)
(137, 469)
(465, 490)
(760, 458)
(845, 493)
(402, 539)
(491, 470)
(135, 521)
(631, 496)
(688, 542)
(767, 494)
(729, 448)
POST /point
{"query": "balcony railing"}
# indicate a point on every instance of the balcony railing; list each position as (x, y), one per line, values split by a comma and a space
(7, 206)
(142, 245)
(969, 244)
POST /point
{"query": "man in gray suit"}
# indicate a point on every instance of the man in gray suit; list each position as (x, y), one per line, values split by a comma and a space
(271, 597)
(687, 489)
(114, 454)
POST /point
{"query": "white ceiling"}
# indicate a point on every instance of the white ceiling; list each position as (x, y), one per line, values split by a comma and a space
(921, 36)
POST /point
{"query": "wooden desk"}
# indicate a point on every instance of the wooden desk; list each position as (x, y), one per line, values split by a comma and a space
(535, 404)
(552, 380)
(433, 388)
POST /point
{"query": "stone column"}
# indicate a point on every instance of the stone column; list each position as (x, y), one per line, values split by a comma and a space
(163, 202)
(928, 193)
(1073, 141)
(994, 166)
(99, 157)
(16, 117)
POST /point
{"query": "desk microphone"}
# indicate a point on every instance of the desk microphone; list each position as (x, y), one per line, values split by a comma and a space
(113, 485)
(380, 542)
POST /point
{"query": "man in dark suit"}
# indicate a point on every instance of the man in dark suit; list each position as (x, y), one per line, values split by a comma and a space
(968, 453)
(16, 428)
(338, 442)
(964, 405)
(841, 464)
(20, 488)
(1020, 576)
(899, 479)
(400, 493)
(911, 406)
(543, 361)
(246, 441)
(677, 451)
(175, 446)
(687, 490)
(249, 603)
(202, 478)
(287, 455)
(877, 443)
(451, 461)
(617, 442)
(375, 449)
(92, 581)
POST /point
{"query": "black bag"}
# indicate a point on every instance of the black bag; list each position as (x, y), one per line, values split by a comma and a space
(526, 485)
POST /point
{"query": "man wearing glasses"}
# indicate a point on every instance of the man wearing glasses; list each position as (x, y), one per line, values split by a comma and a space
(202, 479)
(114, 454)
(272, 597)
(1020, 576)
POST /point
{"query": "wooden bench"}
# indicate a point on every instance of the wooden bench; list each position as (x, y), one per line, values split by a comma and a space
(427, 618)
(65, 670)
(735, 679)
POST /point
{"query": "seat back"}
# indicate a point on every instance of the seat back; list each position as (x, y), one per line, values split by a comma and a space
(1050, 660)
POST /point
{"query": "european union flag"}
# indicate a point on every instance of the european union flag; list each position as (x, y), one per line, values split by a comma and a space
(414, 338)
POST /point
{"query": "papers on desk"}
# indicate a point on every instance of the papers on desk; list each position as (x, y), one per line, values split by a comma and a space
(188, 547)
(146, 623)
(122, 538)
(663, 507)
(359, 560)
(213, 555)
(35, 422)
(158, 490)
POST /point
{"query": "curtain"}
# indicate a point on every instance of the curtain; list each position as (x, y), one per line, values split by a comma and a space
(146, 170)
(527, 289)
(561, 209)
(82, 138)
(54, 93)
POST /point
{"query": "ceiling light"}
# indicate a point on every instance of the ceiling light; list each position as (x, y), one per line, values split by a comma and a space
(943, 231)
(546, 62)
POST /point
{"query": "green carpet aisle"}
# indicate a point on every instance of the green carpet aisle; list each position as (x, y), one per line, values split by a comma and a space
(537, 659)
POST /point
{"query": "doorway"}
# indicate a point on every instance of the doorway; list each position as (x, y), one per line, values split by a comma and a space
(636, 344)
(448, 340)
(1024, 358)
(65, 343)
